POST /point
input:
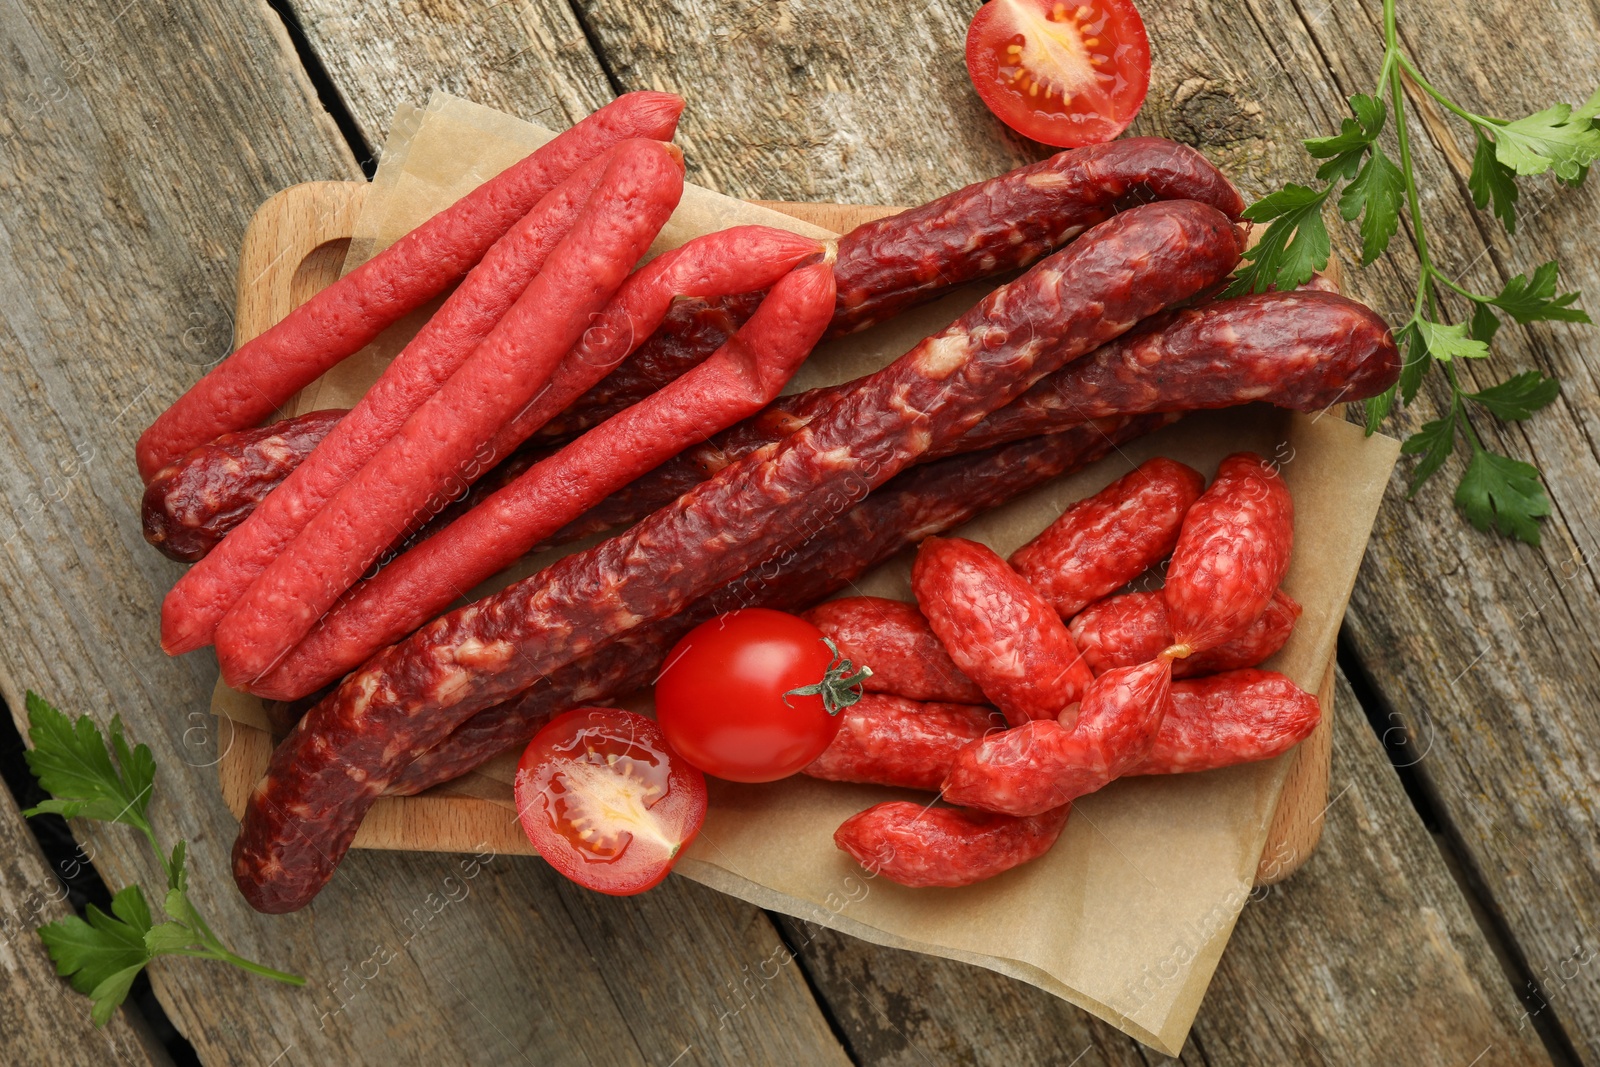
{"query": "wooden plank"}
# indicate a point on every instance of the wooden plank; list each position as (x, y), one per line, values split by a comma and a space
(143, 138)
(1300, 982)
(832, 101)
(530, 59)
(1508, 737)
(45, 1021)
(1479, 647)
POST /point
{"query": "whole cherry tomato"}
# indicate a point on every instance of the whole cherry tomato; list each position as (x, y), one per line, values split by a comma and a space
(750, 696)
(1065, 73)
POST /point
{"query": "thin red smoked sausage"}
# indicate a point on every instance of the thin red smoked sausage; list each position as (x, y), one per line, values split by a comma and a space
(1120, 631)
(191, 504)
(1226, 719)
(1231, 555)
(264, 373)
(998, 630)
(196, 604)
(895, 640)
(728, 261)
(924, 500)
(303, 815)
(986, 229)
(889, 740)
(424, 462)
(1032, 768)
(917, 845)
(745, 374)
(1103, 542)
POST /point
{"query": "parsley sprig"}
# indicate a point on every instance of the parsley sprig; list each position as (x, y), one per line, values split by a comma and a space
(103, 955)
(1495, 491)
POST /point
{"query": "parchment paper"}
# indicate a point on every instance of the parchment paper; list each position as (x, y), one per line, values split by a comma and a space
(1128, 914)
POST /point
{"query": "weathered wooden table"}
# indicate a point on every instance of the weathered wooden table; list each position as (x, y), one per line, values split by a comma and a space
(1451, 914)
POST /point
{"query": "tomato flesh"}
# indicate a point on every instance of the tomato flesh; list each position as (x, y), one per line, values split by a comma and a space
(606, 801)
(1062, 73)
(722, 698)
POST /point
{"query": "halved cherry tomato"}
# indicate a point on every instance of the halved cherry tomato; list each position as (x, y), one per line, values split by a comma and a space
(606, 801)
(727, 699)
(1063, 73)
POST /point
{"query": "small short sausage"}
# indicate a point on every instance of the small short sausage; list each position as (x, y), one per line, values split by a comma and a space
(1105, 541)
(192, 503)
(1218, 721)
(889, 740)
(918, 846)
(1120, 631)
(1231, 555)
(998, 630)
(895, 640)
(1237, 717)
(1033, 768)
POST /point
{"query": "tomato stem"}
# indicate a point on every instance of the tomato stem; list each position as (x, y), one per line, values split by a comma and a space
(840, 686)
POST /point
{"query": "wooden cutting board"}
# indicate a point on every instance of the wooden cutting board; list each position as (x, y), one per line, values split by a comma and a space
(293, 248)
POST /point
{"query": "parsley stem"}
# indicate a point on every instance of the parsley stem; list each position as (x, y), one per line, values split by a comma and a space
(1456, 410)
(1398, 104)
(1463, 290)
(224, 956)
(1450, 105)
(263, 971)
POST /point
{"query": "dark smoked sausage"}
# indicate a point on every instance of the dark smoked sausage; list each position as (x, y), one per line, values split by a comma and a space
(192, 503)
(1302, 350)
(304, 813)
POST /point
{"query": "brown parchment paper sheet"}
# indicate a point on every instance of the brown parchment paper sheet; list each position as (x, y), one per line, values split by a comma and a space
(1129, 913)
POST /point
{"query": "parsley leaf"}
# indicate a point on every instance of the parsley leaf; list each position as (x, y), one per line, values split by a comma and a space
(102, 954)
(1378, 408)
(1293, 247)
(1358, 132)
(1492, 182)
(1449, 342)
(1434, 442)
(1557, 138)
(1505, 493)
(1535, 300)
(72, 762)
(1377, 190)
(1485, 323)
(1520, 396)
(1418, 360)
(1345, 149)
